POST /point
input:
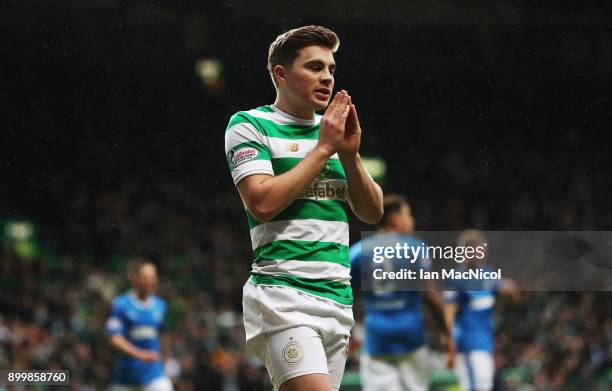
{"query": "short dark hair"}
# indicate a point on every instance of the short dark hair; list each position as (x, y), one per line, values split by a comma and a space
(471, 237)
(284, 50)
(134, 266)
(392, 203)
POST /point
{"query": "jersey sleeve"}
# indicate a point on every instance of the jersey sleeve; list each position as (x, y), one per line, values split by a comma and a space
(424, 262)
(451, 297)
(164, 311)
(455, 290)
(355, 259)
(115, 323)
(246, 148)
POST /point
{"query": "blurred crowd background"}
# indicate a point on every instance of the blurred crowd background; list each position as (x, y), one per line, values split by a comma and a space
(488, 115)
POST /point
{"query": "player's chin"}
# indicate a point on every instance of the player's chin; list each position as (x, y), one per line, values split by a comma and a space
(151, 289)
(320, 104)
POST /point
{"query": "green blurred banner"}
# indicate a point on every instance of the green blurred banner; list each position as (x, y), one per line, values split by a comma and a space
(21, 237)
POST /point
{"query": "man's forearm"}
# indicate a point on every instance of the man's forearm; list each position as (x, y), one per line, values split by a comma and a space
(126, 347)
(275, 193)
(444, 318)
(450, 311)
(123, 345)
(165, 347)
(366, 195)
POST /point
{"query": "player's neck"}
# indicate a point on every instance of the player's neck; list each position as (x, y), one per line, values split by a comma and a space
(142, 296)
(292, 109)
(395, 230)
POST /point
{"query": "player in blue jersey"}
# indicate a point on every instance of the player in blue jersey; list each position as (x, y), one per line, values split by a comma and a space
(134, 327)
(469, 307)
(394, 356)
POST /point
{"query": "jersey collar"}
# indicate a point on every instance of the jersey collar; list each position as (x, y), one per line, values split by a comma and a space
(299, 121)
(140, 303)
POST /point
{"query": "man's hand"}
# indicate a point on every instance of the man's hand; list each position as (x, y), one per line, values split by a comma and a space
(509, 288)
(365, 196)
(119, 342)
(147, 355)
(451, 350)
(332, 128)
(352, 133)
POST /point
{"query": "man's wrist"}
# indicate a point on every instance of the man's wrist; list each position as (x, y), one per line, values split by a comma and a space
(348, 158)
(323, 151)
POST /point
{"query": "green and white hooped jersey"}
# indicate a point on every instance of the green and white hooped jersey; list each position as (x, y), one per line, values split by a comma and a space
(305, 246)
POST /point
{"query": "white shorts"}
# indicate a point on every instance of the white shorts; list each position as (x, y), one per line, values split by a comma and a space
(159, 384)
(295, 333)
(407, 372)
(475, 370)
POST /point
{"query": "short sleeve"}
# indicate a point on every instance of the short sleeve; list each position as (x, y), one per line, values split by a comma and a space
(115, 324)
(451, 297)
(164, 310)
(355, 254)
(424, 262)
(246, 148)
(355, 260)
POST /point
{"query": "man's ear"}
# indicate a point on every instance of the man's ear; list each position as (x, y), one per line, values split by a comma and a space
(280, 73)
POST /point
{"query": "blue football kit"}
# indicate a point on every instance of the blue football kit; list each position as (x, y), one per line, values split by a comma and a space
(393, 321)
(473, 330)
(473, 323)
(141, 323)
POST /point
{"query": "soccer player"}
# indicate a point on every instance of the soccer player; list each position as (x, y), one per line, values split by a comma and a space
(394, 356)
(295, 171)
(134, 327)
(469, 307)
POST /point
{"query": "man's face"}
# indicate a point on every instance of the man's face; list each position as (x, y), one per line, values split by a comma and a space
(403, 220)
(310, 80)
(145, 279)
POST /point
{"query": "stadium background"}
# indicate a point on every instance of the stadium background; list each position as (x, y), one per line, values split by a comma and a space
(487, 114)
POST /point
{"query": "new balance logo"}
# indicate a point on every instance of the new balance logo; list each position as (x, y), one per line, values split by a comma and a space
(293, 147)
